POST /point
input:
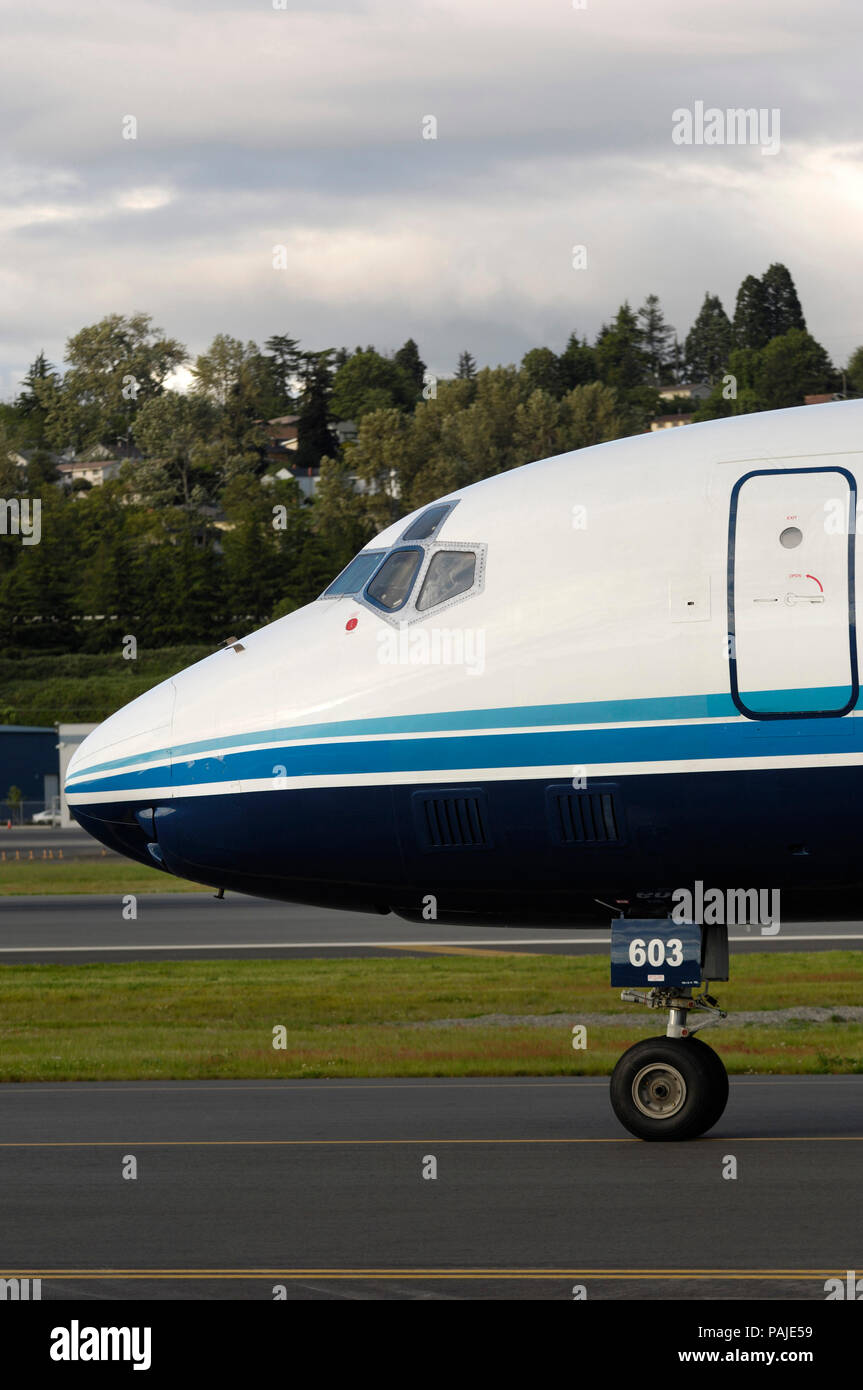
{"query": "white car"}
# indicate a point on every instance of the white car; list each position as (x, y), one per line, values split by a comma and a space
(46, 818)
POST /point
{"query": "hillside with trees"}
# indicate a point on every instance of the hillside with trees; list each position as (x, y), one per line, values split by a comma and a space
(201, 535)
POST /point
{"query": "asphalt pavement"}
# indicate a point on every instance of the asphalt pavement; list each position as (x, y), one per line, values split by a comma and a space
(320, 1188)
(178, 926)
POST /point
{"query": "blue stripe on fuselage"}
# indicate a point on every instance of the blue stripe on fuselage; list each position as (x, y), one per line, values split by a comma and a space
(716, 706)
(673, 743)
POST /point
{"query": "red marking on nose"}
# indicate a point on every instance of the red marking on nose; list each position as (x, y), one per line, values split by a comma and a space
(351, 624)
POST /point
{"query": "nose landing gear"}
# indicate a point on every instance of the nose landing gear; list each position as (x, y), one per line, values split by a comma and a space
(671, 1087)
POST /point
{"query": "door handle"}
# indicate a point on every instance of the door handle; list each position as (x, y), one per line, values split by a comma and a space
(792, 599)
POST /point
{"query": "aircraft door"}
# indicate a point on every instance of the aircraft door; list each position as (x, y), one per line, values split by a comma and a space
(792, 641)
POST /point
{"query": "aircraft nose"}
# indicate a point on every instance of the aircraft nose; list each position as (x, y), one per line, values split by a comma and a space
(121, 769)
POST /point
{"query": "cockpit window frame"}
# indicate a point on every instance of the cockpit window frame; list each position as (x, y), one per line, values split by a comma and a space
(381, 554)
(408, 613)
(438, 551)
(433, 534)
(408, 598)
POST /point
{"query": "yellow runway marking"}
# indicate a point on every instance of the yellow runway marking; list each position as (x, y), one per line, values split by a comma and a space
(319, 1143)
(98, 1088)
(475, 1273)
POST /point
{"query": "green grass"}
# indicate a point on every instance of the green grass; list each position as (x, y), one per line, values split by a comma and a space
(108, 875)
(83, 687)
(346, 1018)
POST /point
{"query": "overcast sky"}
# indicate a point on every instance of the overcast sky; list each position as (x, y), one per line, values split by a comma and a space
(302, 127)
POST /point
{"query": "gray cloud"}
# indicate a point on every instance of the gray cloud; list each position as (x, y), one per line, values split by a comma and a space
(302, 127)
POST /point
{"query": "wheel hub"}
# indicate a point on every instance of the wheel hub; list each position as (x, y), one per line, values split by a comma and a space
(659, 1090)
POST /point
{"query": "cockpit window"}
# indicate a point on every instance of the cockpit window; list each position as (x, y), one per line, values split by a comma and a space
(428, 523)
(356, 575)
(450, 573)
(390, 588)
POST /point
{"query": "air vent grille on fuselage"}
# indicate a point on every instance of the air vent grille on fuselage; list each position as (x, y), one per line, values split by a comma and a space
(452, 819)
(583, 817)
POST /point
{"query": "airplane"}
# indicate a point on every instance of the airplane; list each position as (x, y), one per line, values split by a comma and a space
(577, 687)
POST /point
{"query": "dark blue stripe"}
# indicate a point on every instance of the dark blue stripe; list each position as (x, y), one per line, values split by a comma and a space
(792, 738)
(716, 706)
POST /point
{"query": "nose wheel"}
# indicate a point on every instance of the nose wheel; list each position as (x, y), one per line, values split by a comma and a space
(669, 1088)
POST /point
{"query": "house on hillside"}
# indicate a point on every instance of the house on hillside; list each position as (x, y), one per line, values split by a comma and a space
(92, 471)
(96, 465)
(686, 397)
(693, 391)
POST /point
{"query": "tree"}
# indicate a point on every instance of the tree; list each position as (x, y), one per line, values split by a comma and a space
(378, 456)
(263, 562)
(708, 342)
(173, 432)
(115, 365)
(536, 427)
(793, 365)
(752, 315)
(479, 441)
(432, 461)
(32, 400)
(854, 370)
(591, 414)
(244, 386)
(783, 306)
(785, 370)
(285, 358)
(188, 564)
(341, 521)
(676, 368)
(577, 363)
(218, 371)
(239, 379)
(466, 369)
(767, 308)
(541, 370)
(368, 382)
(117, 541)
(621, 361)
(39, 595)
(657, 338)
(314, 436)
(408, 358)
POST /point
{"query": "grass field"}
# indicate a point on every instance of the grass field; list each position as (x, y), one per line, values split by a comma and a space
(400, 1017)
(83, 687)
(96, 875)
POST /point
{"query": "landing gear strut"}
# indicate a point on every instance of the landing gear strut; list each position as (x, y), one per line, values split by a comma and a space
(672, 1086)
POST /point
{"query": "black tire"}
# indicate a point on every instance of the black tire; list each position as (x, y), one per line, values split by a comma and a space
(720, 1095)
(669, 1088)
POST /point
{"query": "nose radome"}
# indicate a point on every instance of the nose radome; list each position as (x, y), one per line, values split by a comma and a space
(139, 729)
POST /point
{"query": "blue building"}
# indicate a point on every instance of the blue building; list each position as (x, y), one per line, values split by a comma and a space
(29, 760)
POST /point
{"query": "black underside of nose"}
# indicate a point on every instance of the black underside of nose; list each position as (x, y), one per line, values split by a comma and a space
(121, 828)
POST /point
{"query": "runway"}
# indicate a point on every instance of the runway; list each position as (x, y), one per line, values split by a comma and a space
(74, 842)
(318, 1187)
(184, 926)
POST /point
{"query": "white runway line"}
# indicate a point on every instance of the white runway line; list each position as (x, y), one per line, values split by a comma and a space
(385, 945)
